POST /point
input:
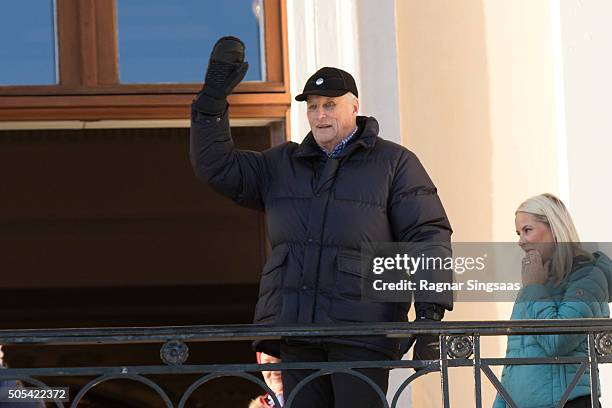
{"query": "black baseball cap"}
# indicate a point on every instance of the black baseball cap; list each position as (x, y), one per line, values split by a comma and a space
(328, 81)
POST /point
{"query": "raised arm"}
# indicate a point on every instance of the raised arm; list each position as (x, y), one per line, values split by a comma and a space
(237, 174)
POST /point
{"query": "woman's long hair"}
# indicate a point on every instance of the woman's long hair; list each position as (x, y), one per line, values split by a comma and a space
(550, 210)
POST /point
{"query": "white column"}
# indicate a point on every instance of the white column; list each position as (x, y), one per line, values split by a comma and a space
(587, 62)
(358, 36)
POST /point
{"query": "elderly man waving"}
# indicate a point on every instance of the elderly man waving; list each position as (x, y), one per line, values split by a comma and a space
(323, 198)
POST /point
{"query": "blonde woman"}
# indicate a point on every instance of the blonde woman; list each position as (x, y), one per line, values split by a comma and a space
(560, 281)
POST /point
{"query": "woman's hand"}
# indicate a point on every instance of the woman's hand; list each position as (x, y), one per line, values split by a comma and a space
(534, 271)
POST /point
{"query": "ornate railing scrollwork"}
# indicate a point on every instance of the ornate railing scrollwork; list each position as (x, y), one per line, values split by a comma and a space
(603, 343)
(460, 346)
(174, 352)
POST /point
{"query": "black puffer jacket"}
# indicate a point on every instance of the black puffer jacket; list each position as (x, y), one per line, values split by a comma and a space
(318, 212)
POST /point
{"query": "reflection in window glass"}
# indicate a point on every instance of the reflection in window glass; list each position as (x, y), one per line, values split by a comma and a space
(170, 41)
(28, 43)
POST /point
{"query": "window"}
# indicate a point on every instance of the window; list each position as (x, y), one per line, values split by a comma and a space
(28, 43)
(136, 59)
(162, 41)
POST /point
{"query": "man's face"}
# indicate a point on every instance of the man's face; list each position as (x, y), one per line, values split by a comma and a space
(331, 118)
(272, 378)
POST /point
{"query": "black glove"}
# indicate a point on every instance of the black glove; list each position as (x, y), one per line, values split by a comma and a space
(427, 346)
(226, 68)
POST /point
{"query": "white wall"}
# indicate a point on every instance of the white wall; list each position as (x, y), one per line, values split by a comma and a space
(587, 59)
(478, 107)
(586, 38)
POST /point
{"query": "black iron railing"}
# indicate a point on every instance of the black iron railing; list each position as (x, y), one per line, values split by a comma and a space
(459, 347)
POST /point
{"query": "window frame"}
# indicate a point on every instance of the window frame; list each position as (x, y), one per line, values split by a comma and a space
(89, 87)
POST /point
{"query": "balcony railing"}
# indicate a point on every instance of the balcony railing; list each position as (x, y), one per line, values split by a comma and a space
(459, 347)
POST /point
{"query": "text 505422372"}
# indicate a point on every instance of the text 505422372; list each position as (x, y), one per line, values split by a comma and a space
(31, 394)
